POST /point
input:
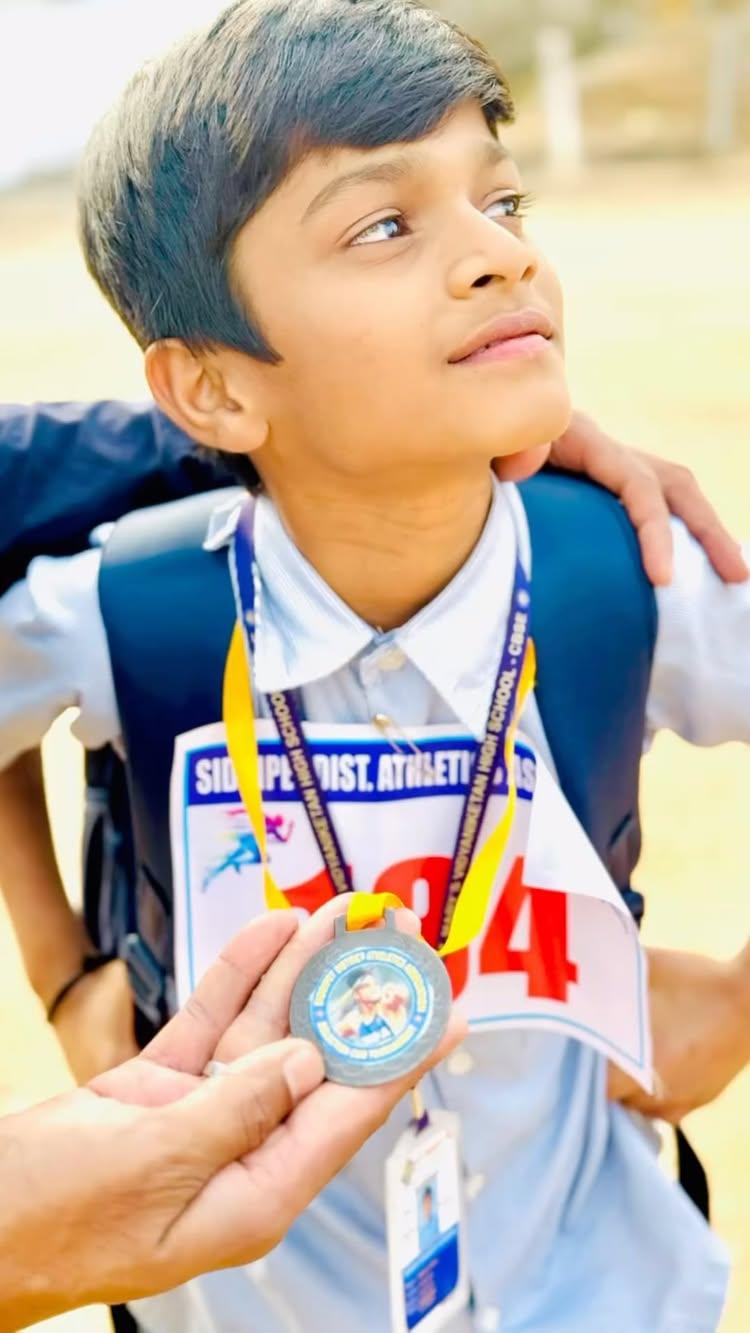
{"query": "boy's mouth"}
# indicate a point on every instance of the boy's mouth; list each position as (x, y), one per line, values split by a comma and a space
(522, 333)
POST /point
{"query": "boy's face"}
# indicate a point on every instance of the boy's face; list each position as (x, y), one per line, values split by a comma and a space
(373, 273)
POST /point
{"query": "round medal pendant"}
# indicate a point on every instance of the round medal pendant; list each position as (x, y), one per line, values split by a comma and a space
(375, 1002)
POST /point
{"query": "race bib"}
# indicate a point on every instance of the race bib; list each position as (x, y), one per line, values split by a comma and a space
(558, 949)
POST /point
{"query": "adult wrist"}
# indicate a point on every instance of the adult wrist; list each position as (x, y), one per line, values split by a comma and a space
(33, 1286)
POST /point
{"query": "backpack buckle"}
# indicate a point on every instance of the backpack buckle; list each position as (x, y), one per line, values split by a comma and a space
(636, 904)
(148, 979)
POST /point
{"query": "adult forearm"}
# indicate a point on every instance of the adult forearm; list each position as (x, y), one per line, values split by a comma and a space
(32, 1280)
(50, 935)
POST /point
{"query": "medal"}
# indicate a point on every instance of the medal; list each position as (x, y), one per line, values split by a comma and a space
(375, 1002)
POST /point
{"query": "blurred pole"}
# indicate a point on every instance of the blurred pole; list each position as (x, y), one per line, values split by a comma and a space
(561, 103)
(724, 73)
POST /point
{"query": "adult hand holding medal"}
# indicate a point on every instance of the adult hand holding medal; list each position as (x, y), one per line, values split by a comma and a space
(345, 928)
(209, 1171)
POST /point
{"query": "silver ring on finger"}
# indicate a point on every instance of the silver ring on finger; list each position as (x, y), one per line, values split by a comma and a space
(216, 1069)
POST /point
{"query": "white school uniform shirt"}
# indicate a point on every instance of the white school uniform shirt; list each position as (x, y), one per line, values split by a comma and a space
(573, 1226)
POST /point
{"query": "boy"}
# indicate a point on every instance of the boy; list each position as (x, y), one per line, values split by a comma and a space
(307, 218)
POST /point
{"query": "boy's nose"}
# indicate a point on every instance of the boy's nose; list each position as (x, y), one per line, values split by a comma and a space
(489, 253)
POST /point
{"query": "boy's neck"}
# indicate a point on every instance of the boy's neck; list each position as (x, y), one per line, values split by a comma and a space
(388, 550)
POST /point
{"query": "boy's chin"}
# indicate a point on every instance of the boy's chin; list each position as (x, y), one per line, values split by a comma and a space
(517, 467)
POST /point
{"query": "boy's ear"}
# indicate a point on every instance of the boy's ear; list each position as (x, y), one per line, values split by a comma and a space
(202, 395)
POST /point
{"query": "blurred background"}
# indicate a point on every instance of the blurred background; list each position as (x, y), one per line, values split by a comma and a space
(633, 133)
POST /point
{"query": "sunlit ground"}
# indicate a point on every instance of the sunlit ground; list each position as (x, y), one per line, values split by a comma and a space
(658, 290)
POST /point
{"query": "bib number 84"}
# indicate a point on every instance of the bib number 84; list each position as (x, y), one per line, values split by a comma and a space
(544, 959)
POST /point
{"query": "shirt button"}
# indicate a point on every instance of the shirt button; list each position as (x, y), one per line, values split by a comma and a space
(487, 1320)
(391, 659)
(459, 1062)
(368, 673)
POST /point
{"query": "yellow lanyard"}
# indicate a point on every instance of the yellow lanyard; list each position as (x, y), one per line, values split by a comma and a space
(473, 900)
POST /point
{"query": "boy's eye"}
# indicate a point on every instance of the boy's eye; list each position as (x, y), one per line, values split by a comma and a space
(510, 206)
(385, 229)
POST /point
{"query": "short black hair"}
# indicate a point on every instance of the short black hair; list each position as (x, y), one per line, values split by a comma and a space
(201, 137)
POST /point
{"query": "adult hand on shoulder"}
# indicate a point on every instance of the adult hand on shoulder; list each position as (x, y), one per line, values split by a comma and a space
(700, 1013)
(184, 1174)
(650, 489)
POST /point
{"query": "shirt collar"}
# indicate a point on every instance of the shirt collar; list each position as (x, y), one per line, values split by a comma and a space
(223, 520)
(304, 631)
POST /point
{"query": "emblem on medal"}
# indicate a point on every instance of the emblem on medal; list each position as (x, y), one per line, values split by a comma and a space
(375, 1002)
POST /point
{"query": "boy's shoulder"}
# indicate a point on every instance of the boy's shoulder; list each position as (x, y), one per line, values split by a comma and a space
(700, 686)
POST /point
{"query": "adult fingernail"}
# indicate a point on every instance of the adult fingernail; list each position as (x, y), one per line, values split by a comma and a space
(303, 1071)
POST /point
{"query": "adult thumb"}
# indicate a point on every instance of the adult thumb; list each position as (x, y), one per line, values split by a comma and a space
(233, 1112)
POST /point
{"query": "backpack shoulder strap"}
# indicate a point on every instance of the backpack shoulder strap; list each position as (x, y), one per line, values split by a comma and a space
(168, 610)
(594, 624)
(159, 590)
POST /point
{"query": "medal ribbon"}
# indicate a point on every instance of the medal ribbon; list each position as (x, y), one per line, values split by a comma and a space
(366, 909)
(243, 749)
(471, 877)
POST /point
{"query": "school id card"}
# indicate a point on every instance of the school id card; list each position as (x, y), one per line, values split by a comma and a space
(426, 1226)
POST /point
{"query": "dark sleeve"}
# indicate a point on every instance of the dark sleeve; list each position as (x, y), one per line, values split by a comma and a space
(65, 467)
